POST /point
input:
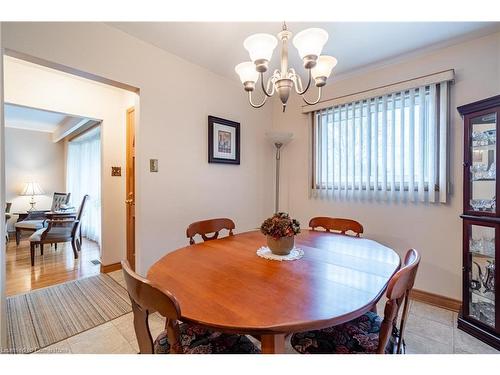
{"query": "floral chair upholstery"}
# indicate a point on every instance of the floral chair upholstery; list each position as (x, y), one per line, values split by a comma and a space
(357, 336)
(199, 340)
(369, 333)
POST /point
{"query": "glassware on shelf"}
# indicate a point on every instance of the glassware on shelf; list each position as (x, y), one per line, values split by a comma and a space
(484, 138)
(492, 171)
(488, 205)
(482, 172)
(487, 277)
(483, 246)
(483, 311)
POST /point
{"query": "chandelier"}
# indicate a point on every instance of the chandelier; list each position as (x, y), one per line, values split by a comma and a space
(260, 47)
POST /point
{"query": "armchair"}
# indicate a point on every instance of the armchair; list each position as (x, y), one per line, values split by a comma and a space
(36, 219)
(63, 229)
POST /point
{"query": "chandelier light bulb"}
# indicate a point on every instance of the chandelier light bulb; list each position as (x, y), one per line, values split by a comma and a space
(310, 42)
(246, 71)
(323, 67)
(260, 46)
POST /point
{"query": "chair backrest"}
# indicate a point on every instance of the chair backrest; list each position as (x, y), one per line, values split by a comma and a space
(8, 206)
(336, 224)
(58, 200)
(209, 226)
(79, 214)
(82, 207)
(147, 298)
(398, 293)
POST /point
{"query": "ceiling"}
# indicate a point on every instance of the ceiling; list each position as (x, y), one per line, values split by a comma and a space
(28, 118)
(218, 46)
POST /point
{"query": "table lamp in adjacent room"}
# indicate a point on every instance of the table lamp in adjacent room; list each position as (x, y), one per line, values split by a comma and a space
(279, 139)
(32, 189)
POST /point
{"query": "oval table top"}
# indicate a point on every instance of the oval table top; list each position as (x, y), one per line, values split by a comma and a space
(223, 284)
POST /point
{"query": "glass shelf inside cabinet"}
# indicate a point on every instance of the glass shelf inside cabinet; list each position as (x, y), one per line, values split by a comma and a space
(482, 273)
(483, 163)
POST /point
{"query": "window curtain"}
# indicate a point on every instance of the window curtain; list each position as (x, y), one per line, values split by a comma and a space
(83, 176)
(392, 146)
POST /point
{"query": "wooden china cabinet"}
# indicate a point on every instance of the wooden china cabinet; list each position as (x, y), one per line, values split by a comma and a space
(480, 315)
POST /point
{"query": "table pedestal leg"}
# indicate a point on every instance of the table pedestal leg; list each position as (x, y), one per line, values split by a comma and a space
(272, 344)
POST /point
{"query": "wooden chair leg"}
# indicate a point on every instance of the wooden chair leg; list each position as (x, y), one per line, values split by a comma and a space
(55, 246)
(73, 245)
(32, 253)
(79, 245)
(41, 249)
(18, 236)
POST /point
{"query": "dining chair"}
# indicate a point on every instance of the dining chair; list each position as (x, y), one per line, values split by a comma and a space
(36, 219)
(178, 337)
(204, 227)
(336, 224)
(369, 333)
(59, 230)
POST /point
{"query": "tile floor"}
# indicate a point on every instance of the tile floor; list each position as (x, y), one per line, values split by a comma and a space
(429, 330)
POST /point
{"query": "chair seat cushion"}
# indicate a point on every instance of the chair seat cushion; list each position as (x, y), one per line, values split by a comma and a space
(360, 335)
(29, 224)
(198, 340)
(56, 233)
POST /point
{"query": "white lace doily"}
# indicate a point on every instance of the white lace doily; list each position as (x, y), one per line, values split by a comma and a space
(266, 253)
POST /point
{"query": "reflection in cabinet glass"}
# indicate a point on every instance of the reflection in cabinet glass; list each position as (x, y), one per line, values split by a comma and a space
(480, 308)
(482, 273)
(482, 166)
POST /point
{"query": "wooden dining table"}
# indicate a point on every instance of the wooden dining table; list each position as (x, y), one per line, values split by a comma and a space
(225, 286)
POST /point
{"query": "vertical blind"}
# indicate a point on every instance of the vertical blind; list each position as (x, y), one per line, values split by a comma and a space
(392, 146)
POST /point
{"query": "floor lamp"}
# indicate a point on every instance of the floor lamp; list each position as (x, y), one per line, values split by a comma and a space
(279, 139)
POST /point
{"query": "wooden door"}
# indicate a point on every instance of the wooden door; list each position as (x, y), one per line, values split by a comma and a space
(130, 197)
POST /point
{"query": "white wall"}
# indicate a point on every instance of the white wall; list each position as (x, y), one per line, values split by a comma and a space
(435, 230)
(175, 99)
(31, 85)
(3, 319)
(32, 156)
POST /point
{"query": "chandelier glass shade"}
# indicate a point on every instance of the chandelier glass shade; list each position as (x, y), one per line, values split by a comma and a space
(309, 44)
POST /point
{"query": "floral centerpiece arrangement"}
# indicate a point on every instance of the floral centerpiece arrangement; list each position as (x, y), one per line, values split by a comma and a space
(280, 230)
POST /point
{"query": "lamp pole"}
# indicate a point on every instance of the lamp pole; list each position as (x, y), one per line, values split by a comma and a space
(278, 146)
(278, 139)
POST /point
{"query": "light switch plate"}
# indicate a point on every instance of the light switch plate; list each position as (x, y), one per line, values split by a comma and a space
(153, 165)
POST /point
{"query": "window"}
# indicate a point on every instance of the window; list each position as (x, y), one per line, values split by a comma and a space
(393, 144)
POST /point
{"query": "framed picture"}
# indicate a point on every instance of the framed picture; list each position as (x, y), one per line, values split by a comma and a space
(223, 141)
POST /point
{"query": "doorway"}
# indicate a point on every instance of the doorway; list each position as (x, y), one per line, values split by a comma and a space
(98, 171)
(42, 169)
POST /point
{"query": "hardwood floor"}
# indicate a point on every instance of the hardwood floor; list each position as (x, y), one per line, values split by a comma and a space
(54, 267)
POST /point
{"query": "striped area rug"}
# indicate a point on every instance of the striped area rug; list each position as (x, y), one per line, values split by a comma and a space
(45, 316)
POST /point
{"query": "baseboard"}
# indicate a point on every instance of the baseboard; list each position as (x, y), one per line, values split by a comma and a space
(436, 300)
(111, 267)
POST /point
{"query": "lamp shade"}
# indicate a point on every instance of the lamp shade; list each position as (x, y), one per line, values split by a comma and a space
(310, 41)
(324, 66)
(31, 188)
(279, 137)
(260, 46)
(246, 71)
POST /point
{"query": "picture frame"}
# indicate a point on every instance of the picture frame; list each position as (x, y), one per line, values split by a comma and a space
(223, 141)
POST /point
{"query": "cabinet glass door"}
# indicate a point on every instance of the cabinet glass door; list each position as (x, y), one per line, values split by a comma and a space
(482, 273)
(483, 163)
